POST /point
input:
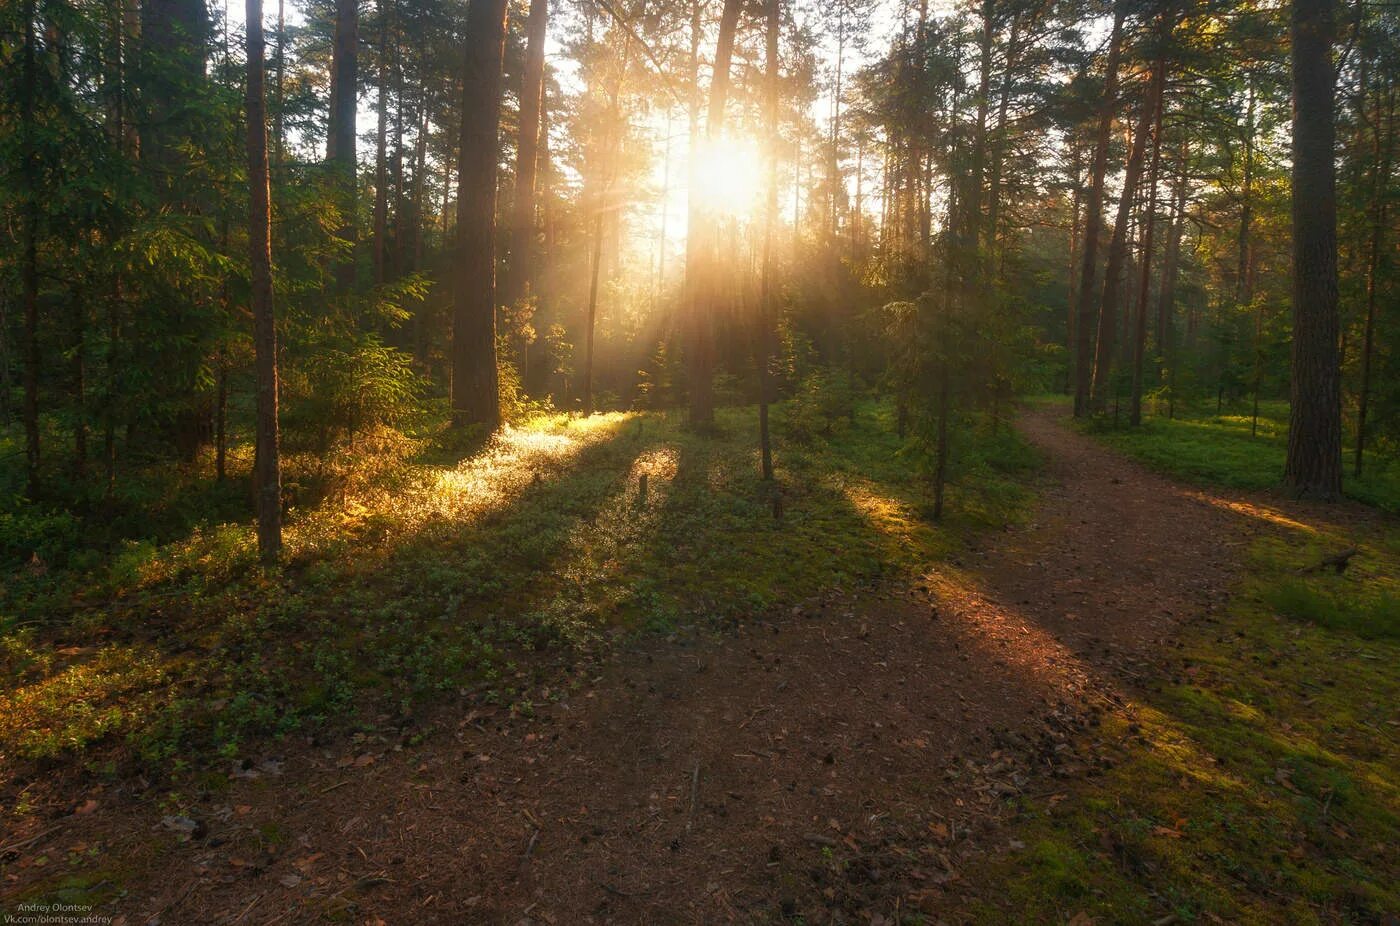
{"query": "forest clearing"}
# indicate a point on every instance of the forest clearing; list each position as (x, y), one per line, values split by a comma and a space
(699, 461)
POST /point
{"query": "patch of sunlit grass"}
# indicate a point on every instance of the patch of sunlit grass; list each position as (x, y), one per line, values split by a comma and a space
(889, 515)
(591, 587)
(108, 693)
(431, 571)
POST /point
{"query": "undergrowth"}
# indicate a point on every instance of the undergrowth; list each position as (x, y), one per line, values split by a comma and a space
(1230, 449)
(499, 571)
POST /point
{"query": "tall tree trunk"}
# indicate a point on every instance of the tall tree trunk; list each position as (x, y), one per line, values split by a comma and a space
(835, 166)
(80, 421)
(414, 258)
(603, 182)
(546, 181)
(972, 216)
(1380, 178)
(126, 29)
(340, 132)
(858, 212)
(766, 298)
(381, 129)
(595, 267)
(1243, 277)
(1149, 223)
(998, 140)
(522, 233)
(29, 267)
(475, 382)
(279, 115)
(1072, 290)
(1118, 246)
(267, 474)
(1314, 462)
(701, 243)
(1093, 220)
(396, 182)
(660, 281)
(1166, 298)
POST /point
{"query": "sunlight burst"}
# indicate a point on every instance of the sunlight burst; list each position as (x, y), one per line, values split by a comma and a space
(728, 176)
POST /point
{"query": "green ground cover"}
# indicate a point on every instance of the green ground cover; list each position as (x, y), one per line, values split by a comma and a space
(493, 570)
(1256, 779)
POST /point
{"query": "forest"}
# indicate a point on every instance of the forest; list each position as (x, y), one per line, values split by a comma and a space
(814, 461)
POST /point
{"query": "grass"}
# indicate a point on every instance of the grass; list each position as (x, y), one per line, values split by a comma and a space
(501, 572)
(1257, 778)
(1218, 449)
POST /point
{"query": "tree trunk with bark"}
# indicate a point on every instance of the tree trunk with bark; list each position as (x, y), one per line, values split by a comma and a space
(475, 379)
(340, 130)
(1379, 213)
(766, 299)
(701, 243)
(522, 233)
(1093, 221)
(1314, 462)
(1118, 246)
(29, 238)
(267, 470)
(381, 129)
(1149, 223)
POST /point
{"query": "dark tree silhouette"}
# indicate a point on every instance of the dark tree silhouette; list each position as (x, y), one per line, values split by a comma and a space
(475, 383)
(267, 473)
(1314, 463)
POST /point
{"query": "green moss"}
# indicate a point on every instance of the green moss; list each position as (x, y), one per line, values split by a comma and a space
(1305, 600)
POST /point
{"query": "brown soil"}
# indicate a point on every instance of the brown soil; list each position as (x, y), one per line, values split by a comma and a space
(842, 762)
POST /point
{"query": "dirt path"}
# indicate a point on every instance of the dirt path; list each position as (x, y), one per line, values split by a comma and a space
(846, 758)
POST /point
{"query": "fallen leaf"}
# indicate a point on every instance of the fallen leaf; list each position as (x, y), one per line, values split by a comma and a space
(305, 864)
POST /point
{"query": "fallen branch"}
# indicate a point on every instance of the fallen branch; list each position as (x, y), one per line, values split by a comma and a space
(1337, 561)
(24, 842)
(694, 795)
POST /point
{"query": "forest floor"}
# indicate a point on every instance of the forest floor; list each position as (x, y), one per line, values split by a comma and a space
(980, 741)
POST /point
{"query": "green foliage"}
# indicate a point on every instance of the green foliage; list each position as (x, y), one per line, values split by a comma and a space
(516, 403)
(658, 383)
(822, 404)
(357, 388)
